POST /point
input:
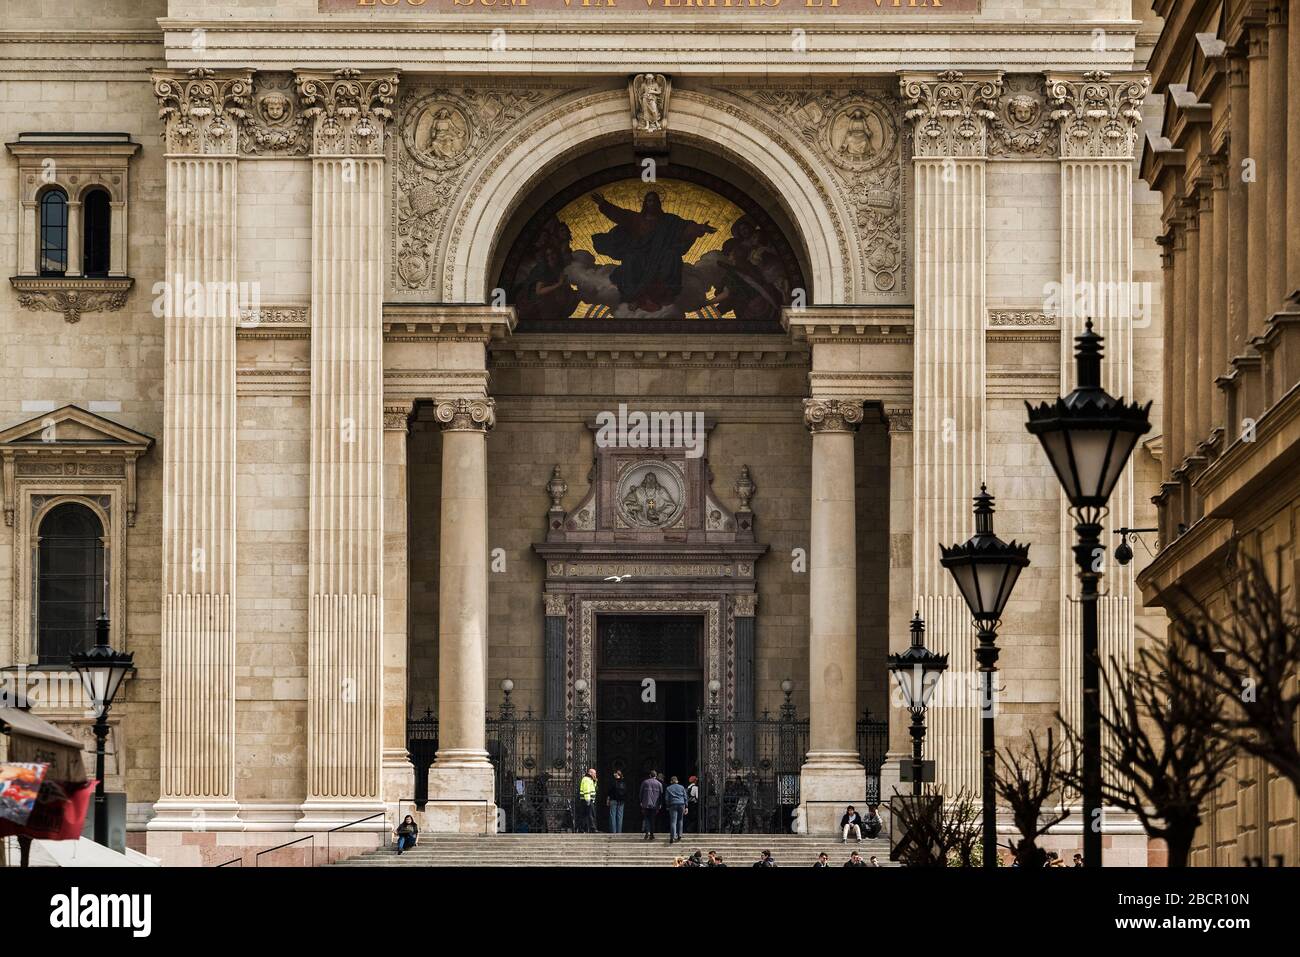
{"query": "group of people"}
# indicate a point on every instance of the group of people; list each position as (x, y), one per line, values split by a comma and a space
(682, 802)
(854, 823)
(765, 859)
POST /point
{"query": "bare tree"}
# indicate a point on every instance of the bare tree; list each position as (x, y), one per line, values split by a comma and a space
(1248, 655)
(937, 832)
(1165, 759)
(1029, 781)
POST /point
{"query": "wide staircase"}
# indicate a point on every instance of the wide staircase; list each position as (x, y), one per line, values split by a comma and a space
(608, 850)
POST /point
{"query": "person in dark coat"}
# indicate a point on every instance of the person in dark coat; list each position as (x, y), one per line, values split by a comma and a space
(855, 860)
(765, 860)
(652, 795)
(408, 832)
(823, 860)
(615, 799)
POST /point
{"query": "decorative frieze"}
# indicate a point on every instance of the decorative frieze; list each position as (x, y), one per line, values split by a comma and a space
(201, 109)
(466, 415)
(1037, 319)
(950, 112)
(832, 415)
(71, 296)
(1099, 113)
(275, 123)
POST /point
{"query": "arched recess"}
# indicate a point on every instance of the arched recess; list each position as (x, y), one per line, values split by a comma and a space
(508, 178)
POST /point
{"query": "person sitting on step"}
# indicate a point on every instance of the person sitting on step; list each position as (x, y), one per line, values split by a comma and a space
(408, 832)
(851, 821)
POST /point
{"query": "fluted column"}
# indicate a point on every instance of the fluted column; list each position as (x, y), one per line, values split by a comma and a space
(901, 607)
(1191, 391)
(1099, 116)
(832, 774)
(1175, 343)
(949, 113)
(346, 547)
(200, 111)
(460, 781)
(1221, 335)
(1238, 278)
(398, 781)
(1257, 253)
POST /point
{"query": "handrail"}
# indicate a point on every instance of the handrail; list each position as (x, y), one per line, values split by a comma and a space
(257, 858)
(362, 820)
(240, 859)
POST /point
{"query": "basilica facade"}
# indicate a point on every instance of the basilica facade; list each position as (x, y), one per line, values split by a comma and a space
(378, 363)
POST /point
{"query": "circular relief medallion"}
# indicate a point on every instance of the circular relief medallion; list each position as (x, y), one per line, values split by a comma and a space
(438, 132)
(650, 495)
(860, 135)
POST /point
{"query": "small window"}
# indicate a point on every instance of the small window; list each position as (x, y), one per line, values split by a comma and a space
(96, 234)
(70, 582)
(54, 233)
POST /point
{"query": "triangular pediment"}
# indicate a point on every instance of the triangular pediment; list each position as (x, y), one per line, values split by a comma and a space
(73, 427)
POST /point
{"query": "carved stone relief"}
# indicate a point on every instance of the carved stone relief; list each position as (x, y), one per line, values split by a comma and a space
(1099, 114)
(1023, 127)
(274, 124)
(859, 134)
(442, 132)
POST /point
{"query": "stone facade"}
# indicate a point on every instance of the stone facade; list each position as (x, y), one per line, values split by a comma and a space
(1226, 163)
(338, 524)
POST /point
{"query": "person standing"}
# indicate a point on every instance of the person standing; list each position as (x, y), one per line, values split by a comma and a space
(693, 804)
(615, 800)
(652, 793)
(675, 798)
(587, 802)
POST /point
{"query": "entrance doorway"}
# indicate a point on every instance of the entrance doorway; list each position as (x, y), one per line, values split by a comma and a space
(649, 690)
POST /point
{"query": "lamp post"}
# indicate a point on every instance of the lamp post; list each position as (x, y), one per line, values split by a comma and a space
(985, 569)
(917, 671)
(101, 671)
(1088, 436)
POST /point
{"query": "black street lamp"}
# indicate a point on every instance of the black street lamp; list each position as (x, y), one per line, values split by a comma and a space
(985, 569)
(917, 671)
(1088, 436)
(102, 671)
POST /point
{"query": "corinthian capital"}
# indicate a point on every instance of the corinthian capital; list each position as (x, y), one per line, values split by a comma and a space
(832, 415)
(950, 111)
(201, 109)
(1099, 113)
(466, 415)
(349, 110)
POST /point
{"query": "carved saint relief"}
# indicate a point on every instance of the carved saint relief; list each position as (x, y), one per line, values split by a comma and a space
(650, 496)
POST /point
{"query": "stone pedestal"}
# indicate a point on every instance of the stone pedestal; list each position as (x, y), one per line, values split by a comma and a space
(461, 796)
(826, 788)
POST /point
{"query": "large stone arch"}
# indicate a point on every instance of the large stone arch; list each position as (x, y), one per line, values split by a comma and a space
(506, 177)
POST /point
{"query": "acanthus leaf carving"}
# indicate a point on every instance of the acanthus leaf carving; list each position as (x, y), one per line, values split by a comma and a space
(950, 112)
(1099, 113)
(1022, 126)
(349, 111)
(201, 109)
(274, 124)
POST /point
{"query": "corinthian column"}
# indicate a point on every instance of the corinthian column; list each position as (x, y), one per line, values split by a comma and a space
(349, 112)
(832, 775)
(1099, 115)
(460, 781)
(200, 110)
(949, 113)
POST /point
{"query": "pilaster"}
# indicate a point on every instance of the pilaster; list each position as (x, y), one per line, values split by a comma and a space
(200, 111)
(950, 114)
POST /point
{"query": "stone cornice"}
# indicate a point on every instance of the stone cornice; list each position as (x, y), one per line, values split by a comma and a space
(72, 295)
(842, 44)
(592, 350)
(857, 324)
(448, 321)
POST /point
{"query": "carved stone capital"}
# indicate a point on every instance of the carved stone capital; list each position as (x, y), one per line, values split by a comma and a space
(1099, 113)
(744, 605)
(348, 110)
(899, 418)
(950, 112)
(832, 415)
(466, 415)
(557, 606)
(202, 109)
(397, 416)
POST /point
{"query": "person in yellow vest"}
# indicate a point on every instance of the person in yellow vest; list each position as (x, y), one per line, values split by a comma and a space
(587, 802)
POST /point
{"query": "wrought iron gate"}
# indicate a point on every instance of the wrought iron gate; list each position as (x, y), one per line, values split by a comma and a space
(537, 764)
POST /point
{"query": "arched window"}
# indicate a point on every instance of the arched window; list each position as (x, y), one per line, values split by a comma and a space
(96, 236)
(70, 581)
(54, 233)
